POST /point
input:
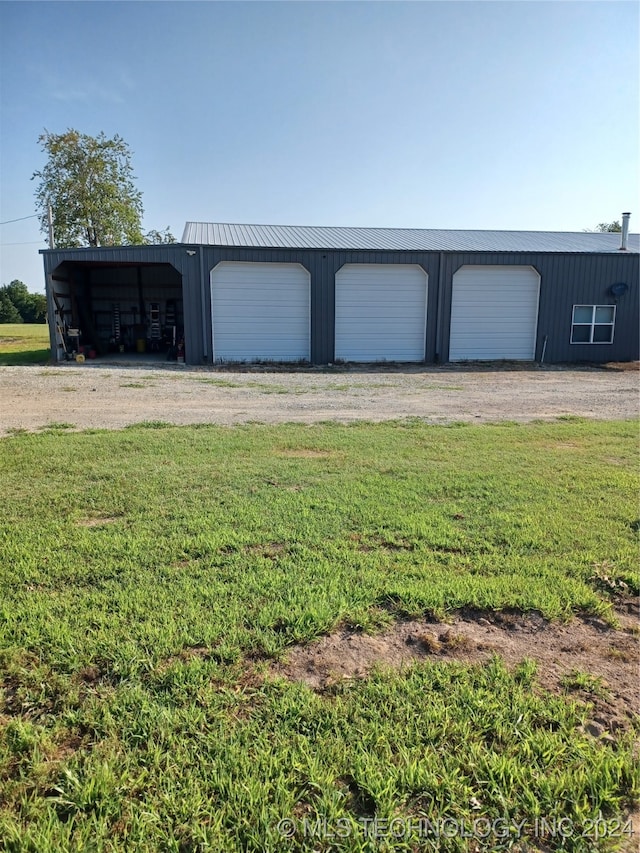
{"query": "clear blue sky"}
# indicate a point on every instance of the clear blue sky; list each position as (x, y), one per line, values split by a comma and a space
(519, 115)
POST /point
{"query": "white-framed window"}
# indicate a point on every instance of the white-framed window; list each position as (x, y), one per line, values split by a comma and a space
(593, 324)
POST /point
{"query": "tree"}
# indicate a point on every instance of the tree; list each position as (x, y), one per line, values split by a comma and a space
(18, 294)
(609, 227)
(154, 237)
(37, 309)
(8, 311)
(17, 305)
(88, 181)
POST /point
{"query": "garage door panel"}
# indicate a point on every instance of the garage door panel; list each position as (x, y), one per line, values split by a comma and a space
(494, 312)
(380, 312)
(260, 312)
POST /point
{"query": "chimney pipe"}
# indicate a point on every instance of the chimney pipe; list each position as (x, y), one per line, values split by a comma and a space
(625, 231)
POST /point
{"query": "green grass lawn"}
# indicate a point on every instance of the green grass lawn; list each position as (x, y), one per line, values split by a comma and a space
(24, 343)
(149, 575)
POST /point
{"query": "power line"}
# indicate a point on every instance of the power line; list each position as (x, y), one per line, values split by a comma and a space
(21, 219)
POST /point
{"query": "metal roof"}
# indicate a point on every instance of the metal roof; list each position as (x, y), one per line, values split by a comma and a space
(401, 239)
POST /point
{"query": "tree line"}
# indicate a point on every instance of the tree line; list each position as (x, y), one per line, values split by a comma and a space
(17, 305)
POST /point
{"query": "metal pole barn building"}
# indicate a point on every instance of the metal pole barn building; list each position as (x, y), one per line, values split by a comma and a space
(259, 293)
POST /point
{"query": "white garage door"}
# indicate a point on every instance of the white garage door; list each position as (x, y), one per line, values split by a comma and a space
(494, 313)
(381, 312)
(260, 312)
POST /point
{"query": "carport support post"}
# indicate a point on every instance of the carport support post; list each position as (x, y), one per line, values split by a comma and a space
(85, 313)
(203, 305)
(142, 329)
(438, 308)
(52, 312)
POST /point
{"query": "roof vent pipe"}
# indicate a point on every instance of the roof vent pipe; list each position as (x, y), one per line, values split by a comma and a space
(625, 231)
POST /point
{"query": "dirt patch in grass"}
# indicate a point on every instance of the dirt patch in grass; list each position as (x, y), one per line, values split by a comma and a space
(305, 454)
(561, 445)
(269, 550)
(187, 654)
(585, 657)
(65, 748)
(377, 543)
(96, 521)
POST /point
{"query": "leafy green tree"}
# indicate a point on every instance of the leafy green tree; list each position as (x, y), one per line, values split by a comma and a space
(8, 311)
(36, 310)
(609, 227)
(88, 181)
(18, 294)
(17, 305)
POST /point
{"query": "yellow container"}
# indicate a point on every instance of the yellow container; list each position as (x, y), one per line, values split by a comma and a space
(141, 345)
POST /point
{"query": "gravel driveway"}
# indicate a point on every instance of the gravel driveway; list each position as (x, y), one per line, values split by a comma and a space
(112, 396)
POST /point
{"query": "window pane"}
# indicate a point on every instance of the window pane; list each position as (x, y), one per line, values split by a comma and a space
(581, 334)
(582, 313)
(604, 314)
(602, 334)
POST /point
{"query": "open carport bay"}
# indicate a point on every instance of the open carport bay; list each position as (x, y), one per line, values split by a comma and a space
(117, 308)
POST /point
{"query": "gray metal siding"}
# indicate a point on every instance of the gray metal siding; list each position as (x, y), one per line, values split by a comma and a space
(569, 281)
(566, 279)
